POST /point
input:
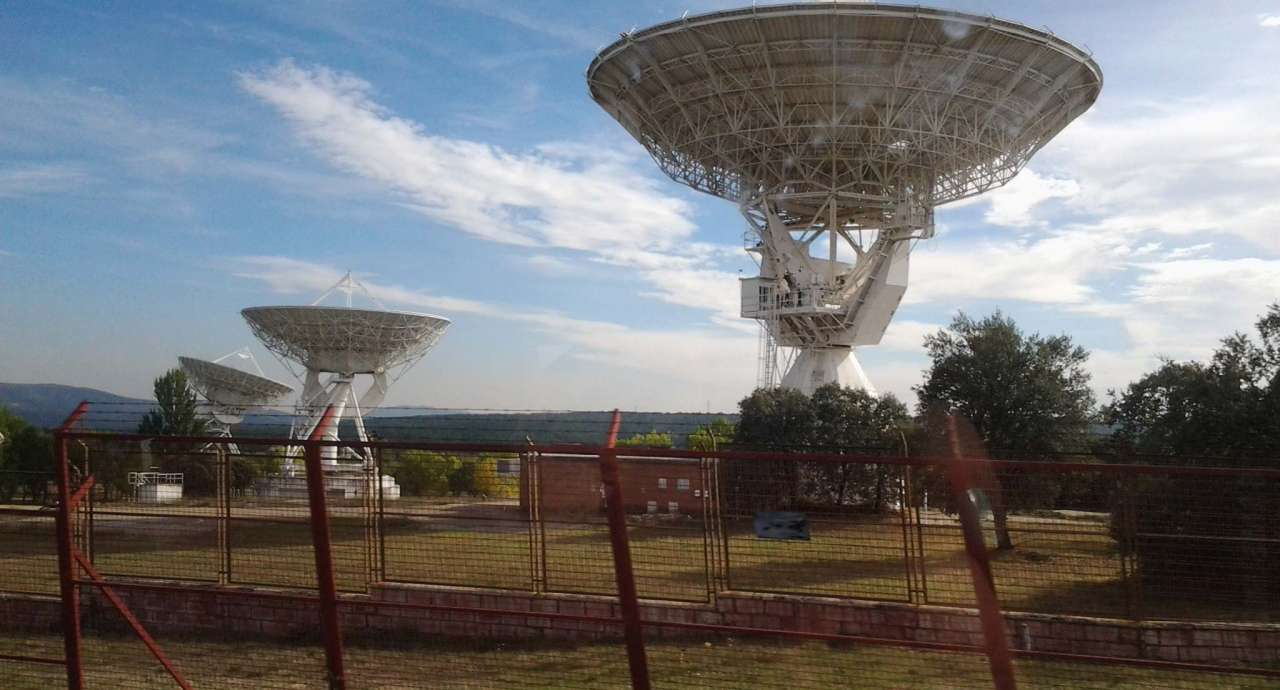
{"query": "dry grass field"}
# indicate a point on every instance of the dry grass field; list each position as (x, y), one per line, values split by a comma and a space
(121, 662)
(1061, 565)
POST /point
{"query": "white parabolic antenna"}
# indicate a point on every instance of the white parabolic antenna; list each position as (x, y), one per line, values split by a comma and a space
(231, 391)
(345, 340)
(837, 128)
(334, 345)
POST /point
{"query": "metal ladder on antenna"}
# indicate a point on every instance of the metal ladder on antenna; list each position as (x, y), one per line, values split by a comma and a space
(766, 367)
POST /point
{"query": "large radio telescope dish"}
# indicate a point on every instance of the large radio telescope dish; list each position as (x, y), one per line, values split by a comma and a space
(849, 120)
(345, 340)
(870, 101)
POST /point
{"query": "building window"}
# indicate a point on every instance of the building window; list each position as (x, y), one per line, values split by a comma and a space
(653, 507)
(673, 507)
(697, 493)
(662, 482)
(682, 484)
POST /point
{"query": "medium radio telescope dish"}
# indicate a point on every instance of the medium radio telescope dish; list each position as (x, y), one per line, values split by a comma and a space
(843, 121)
(229, 387)
(343, 343)
(345, 340)
(230, 391)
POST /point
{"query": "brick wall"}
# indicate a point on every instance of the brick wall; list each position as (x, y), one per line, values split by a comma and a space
(29, 613)
(572, 485)
(202, 608)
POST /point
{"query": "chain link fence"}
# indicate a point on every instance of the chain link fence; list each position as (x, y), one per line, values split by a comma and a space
(265, 562)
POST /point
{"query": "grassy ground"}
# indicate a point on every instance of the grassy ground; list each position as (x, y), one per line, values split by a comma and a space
(121, 662)
(1061, 565)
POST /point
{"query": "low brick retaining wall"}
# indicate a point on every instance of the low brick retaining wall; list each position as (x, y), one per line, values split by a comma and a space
(22, 613)
(233, 610)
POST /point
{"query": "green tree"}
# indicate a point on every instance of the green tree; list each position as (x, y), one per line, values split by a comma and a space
(29, 460)
(770, 419)
(10, 423)
(10, 426)
(774, 419)
(653, 439)
(1220, 412)
(177, 413)
(833, 420)
(848, 420)
(490, 482)
(714, 436)
(423, 473)
(1027, 397)
(177, 409)
(462, 478)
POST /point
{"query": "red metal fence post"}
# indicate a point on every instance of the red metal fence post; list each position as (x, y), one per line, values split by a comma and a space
(66, 574)
(984, 587)
(616, 511)
(322, 541)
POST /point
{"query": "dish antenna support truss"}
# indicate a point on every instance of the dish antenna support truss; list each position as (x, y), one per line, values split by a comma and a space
(328, 348)
(837, 128)
(230, 392)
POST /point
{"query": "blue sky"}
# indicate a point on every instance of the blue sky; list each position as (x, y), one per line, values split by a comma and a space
(163, 165)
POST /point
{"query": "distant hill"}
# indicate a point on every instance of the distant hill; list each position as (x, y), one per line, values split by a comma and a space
(505, 427)
(540, 427)
(47, 404)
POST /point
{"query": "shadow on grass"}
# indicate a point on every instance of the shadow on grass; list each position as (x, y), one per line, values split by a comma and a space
(1106, 598)
(843, 576)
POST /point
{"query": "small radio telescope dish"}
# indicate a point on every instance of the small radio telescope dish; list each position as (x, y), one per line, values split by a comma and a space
(847, 122)
(328, 347)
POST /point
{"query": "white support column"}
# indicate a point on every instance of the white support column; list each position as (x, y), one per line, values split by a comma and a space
(825, 311)
(817, 367)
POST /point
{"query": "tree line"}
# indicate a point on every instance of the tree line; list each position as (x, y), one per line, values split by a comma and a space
(26, 460)
(1027, 397)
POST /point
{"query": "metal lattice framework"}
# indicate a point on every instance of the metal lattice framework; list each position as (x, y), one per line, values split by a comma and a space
(230, 387)
(869, 100)
(345, 340)
(230, 392)
(850, 121)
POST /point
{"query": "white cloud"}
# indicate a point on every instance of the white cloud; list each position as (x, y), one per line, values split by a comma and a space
(1201, 165)
(561, 195)
(1182, 308)
(1189, 252)
(1269, 21)
(1053, 269)
(39, 179)
(1136, 184)
(1012, 204)
(705, 357)
(569, 33)
(1195, 166)
(550, 265)
(1197, 287)
(906, 335)
(112, 140)
(1156, 192)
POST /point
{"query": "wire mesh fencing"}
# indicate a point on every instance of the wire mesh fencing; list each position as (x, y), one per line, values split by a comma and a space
(28, 556)
(265, 560)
